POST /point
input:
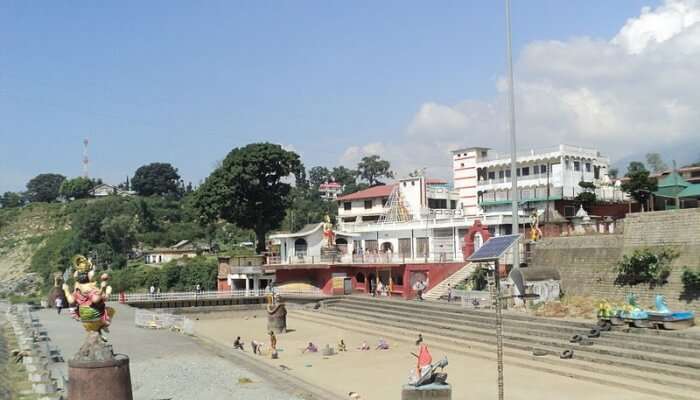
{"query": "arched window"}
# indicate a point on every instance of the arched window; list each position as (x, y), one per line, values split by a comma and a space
(300, 247)
(360, 277)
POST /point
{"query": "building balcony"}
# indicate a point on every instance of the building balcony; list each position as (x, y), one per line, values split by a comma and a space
(359, 259)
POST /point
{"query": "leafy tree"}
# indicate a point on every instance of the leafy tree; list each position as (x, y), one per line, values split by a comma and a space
(587, 197)
(656, 163)
(372, 168)
(76, 188)
(307, 206)
(11, 200)
(344, 176)
(44, 187)
(248, 188)
(156, 179)
(612, 173)
(638, 183)
(319, 175)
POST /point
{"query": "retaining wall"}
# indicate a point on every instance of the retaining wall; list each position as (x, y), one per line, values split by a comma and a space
(587, 263)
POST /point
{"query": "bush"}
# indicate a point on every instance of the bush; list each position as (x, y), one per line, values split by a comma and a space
(691, 283)
(645, 266)
(175, 276)
(478, 278)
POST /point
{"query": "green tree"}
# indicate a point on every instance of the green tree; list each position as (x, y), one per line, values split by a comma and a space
(372, 168)
(156, 179)
(344, 176)
(612, 173)
(248, 188)
(319, 175)
(587, 197)
(11, 200)
(656, 163)
(44, 187)
(76, 188)
(638, 183)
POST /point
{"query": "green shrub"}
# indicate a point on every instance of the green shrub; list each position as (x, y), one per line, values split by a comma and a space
(645, 266)
(691, 283)
(478, 278)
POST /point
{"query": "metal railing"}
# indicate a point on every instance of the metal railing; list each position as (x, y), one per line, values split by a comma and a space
(213, 295)
(368, 258)
(473, 298)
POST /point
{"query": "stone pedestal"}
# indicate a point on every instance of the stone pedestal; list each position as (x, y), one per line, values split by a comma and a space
(110, 378)
(96, 369)
(432, 392)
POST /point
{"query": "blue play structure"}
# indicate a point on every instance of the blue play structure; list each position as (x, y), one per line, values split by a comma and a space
(667, 319)
(633, 315)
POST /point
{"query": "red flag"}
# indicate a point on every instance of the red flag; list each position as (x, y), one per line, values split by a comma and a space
(424, 357)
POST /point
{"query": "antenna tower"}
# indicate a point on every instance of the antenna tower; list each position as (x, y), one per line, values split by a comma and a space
(86, 160)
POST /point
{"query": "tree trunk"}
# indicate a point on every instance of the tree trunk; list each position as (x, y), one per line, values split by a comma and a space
(260, 245)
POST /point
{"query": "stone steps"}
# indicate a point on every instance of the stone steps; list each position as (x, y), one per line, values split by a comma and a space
(667, 387)
(617, 340)
(675, 339)
(595, 353)
(441, 288)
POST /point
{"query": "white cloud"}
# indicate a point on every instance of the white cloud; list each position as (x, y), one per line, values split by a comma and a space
(630, 94)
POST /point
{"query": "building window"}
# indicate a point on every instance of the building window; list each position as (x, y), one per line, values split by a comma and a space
(413, 183)
(368, 204)
(596, 172)
(437, 203)
(371, 246)
(507, 173)
(492, 174)
(526, 171)
(461, 165)
(483, 153)
(405, 248)
(404, 184)
(543, 169)
(422, 247)
(577, 165)
(517, 172)
(384, 201)
(588, 167)
(501, 174)
(370, 218)
(347, 206)
(300, 247)
(536, 170)
(453, 204)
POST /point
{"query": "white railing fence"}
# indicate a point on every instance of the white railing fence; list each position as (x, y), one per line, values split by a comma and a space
(214, 295)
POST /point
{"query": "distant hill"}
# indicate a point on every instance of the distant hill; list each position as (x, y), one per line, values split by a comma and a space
(22, 232)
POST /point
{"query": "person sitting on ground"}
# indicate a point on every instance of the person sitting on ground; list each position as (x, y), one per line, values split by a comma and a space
(363, 346)
(420, 339)
(383, 345)
(237, 344)
(311, 348)
(341, 346)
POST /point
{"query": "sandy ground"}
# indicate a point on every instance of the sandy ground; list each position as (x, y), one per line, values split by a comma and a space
(379, 375)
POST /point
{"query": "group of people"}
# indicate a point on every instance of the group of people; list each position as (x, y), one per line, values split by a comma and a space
(342, 347)
(256, 346)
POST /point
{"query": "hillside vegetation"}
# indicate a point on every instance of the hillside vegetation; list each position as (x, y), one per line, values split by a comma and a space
(41, 238)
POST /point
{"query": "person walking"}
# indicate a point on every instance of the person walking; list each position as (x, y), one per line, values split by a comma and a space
(59, 304)
(449, 293)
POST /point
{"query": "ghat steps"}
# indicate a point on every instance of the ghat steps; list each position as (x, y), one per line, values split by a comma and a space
(662, 363)
(441, 288)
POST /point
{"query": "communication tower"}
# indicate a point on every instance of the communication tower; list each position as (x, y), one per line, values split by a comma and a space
(86, 160)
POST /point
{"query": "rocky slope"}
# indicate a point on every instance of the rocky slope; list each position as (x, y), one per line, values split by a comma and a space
(22, 232)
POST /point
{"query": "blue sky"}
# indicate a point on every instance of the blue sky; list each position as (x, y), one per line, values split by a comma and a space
(185, 82)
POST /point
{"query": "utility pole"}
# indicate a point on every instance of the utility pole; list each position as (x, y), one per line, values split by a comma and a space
(513, 149)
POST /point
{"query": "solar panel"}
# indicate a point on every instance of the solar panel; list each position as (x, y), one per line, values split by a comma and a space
(494, 248)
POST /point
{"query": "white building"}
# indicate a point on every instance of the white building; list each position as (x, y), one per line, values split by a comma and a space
(104, 189)
(420, 219)
(330, 190)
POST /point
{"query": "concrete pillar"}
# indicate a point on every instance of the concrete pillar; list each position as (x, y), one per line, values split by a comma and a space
(247, 285)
